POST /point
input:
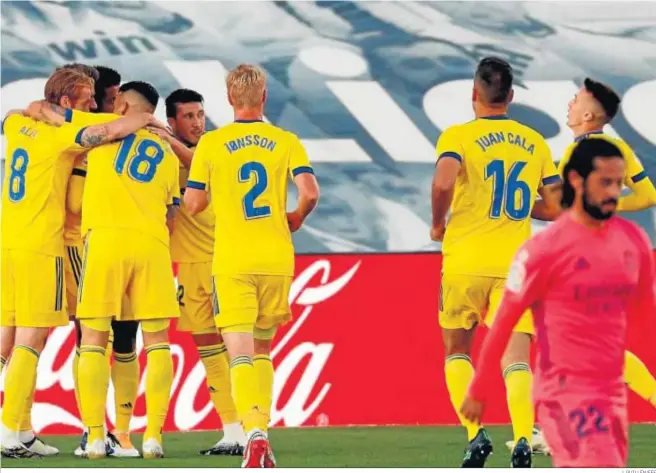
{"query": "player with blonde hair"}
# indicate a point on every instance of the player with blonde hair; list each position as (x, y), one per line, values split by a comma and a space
(246, 166)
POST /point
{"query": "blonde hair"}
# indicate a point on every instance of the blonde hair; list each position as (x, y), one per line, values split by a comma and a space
(246, 84)
(67, 82)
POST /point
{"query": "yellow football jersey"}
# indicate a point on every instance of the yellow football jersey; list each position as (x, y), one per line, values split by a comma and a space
(635, 173)
(246, 166)
(193, 238)
(129, 185)
(504, 163)
(75, 190)
(39, 158)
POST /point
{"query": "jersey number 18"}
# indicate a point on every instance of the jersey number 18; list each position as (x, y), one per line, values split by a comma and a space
(143, 163)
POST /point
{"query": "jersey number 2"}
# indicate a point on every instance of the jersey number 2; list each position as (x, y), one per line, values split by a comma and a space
(19, 162)
(504, 190)
(261, 183)
(147, 151)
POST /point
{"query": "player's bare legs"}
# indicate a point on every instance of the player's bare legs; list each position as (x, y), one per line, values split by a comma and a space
(459, 371)
(519, 383)
(7, 336)
(240, 343)
(20, 382)
(213, 354)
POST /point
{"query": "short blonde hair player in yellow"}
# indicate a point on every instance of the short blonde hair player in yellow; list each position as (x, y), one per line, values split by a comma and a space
(592, 108)
(39, 162)
(192, 248)
(246, 166)
(129, 205)
(489, 172)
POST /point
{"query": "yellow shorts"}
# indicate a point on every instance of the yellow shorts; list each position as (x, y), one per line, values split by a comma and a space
(33, 290)
(119, 263)
(195, 297)
(255, 300)
(72, 273)
(464, 299)
(104, 324)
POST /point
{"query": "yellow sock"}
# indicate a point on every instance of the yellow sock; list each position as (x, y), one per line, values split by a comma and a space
(519, 385)
(110, 347)
(264, 373)
(93, 377)
(125, 376)
(217, 369)
(459, 371)
(76, 381)
(638, 378)
(26, 419)
(244, 392)
(159, 378)
(19, 384)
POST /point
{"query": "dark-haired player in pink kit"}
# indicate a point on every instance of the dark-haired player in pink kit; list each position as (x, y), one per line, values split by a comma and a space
(584, 277)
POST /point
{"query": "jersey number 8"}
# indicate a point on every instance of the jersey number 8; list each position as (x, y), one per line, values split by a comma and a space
(261, 182)
(143, 163)
(504, 190)
(19, 162)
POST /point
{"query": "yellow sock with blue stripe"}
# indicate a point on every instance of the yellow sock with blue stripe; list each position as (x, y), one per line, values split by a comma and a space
(125, 377)
(217, 369)
(245, 394)
(3, 362)
(264, 372)
(519, 384)
(459, 371)
(159, 379)
(93, 377)
(19, 385)
(638, 378)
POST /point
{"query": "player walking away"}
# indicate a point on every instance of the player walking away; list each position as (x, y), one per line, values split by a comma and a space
(584, 277)
(489, 172)
(192, 246)
(592, 108)
(39, 161)
(127, 254)
(245, 165)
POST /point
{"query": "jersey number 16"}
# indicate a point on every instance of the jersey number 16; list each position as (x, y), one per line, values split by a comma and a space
(505, 188)
(143, 163)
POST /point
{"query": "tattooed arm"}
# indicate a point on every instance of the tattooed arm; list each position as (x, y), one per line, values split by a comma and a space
(171, 211)
(97, 135)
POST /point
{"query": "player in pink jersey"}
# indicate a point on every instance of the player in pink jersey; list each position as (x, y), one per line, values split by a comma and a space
(583, 278)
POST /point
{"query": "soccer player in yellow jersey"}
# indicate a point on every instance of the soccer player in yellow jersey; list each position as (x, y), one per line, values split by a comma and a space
(488, 174)
(192, 247)
(39, 161)
(246, 167)
(129, 203)
(593, 106)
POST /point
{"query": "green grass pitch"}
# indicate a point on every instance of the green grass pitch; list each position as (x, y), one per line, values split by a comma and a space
(334, 447)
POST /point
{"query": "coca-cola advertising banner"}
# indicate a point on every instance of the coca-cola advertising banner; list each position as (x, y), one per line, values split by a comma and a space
(364, 348)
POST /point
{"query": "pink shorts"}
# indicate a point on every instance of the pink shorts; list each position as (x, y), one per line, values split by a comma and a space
(585, 427)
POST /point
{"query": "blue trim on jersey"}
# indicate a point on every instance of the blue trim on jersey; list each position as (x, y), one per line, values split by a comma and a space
(249, 121)
(550, 180)
(176, 201)
(68, 115)
(196, 185)
(451, 154)
(302, 170)
(639, 177)
(78, 137)
(582, 137)
(79, 172)
(3, 123)
(496, 117)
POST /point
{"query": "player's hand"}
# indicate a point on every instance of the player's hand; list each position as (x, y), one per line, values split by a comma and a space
(294, 221)
(33, 110)
(155, 123)
(163, 134)
(437, 232)
(471, 409)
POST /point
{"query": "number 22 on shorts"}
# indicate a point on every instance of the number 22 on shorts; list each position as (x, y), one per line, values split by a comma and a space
(588, 421)
(255, 170)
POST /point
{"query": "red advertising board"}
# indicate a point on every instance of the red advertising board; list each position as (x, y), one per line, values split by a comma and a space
(364, 349)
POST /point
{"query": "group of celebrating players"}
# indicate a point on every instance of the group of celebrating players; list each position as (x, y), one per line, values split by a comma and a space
(92, 202)
(581, 278)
